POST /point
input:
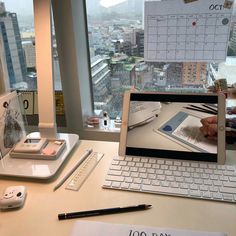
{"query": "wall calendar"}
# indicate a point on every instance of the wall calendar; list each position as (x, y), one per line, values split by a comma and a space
(176, 31)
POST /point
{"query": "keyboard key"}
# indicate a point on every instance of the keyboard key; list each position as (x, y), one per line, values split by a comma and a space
(115, 167)
(228, 190)
(128, 179)
(168, 172)
(151, 176)
(207, 182)
(115, 184)
(170, 178)
(161, 177)
(147, 165)
(164, 184)
(213, 188)
(107, 183)
(131, 164)
(183, 185)
(169, 163)
(217, 195)
(173, 167)
(186, 174)
(179, 179)
(156, 183)
(232, 179)
(160, 162)
(203, 188)
(137, 180)
(195, 193)
(177, 163)
(143, 175)
(160, 189)
(228, 196)
(174, 185)
(194, 164)
(115, 178)
(206, 195)
(176, 173)
(224, 178)
(229, 184)
(135, 186)
(193, 187)
(198, 181)
(142, 170)
(134, 174)
(146, 181)
(123, 163)
(151, 171)
(128, 159)
(125, 173)
(114, 172)
(125, 168)
(134, 169)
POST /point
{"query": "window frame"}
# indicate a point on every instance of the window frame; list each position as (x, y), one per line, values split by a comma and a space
(70, 22)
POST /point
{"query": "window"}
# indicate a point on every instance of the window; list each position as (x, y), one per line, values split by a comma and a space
(17, 33)
(116, 46)
(101, 54)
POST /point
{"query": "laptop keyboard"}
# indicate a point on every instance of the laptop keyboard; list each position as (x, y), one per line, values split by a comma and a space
(173, 177)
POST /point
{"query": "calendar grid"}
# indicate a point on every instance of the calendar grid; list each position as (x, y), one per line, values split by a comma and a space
(187, 37)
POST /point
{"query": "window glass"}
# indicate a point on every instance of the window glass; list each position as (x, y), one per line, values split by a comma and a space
(116, 45)
(17, 37)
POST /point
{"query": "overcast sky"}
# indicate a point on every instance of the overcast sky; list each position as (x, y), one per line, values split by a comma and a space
(22, 7)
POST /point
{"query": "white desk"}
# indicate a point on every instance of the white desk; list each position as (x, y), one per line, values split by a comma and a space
(39, 215)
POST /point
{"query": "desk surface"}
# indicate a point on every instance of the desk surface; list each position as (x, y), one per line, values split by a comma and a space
(39, 215)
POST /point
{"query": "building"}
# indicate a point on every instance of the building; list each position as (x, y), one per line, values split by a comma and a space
(140, 42)
(29, 53)
(194, 73)
(100, 78)
(10, 36)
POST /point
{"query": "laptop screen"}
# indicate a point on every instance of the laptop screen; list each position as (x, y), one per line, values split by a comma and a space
(169, 126)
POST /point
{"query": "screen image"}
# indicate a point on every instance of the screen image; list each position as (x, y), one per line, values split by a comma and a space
(170, 125)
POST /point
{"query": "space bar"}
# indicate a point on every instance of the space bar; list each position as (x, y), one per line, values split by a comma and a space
(160, 189)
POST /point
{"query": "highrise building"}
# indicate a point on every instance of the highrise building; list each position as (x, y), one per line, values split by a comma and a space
(10, 36)
(29, 52)
(194, 73)
(140, 42)
(100, 78)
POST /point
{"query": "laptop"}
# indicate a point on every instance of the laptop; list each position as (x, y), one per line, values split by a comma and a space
(163, 150)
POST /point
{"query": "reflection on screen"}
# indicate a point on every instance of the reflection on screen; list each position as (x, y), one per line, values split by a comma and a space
(170, 126)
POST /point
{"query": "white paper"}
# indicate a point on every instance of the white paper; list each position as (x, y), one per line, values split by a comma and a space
(12, 128)
(179, 32)
(189, 132)
(142, 112)
(90, 228)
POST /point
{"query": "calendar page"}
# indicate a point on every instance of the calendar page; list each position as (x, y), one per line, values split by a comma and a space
(176, 31)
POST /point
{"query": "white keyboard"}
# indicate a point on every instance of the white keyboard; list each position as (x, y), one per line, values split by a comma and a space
(173, 177)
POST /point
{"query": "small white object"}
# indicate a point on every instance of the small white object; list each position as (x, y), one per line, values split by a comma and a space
(13, 197)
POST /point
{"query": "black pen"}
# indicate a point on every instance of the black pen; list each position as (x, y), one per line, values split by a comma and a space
(203, 109)
(210, 108)
(200, 110)
(99, 212)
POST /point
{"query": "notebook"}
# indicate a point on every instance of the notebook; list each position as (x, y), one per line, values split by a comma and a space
(167, 125)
